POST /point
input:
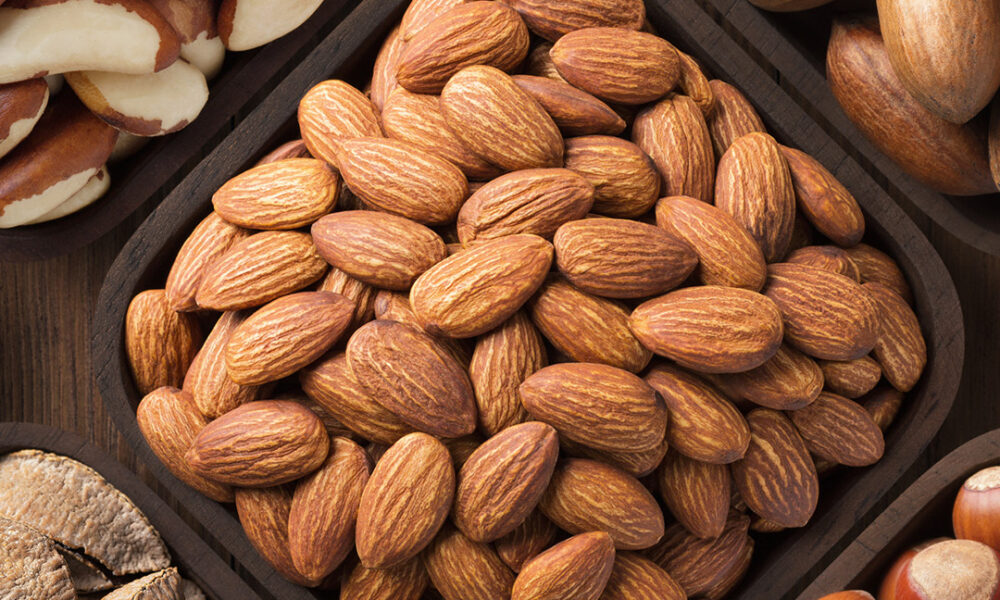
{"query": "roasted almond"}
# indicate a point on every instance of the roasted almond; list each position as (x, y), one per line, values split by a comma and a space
(626, 183)
(293, 149)
(575, 112)
(286, 194)
(825, 201)
(636, 464)
(355, 290)
(900, 348)
(673, 133)
(421, 13)
(527, 541)
(699, 565)
(334, 111)
(883, 405)
(789, 380)
(405, 581)
(462, 569)
(733, 118)
(697, 493)
(635, 577)
(207, 380)
(395, 306)
(553, 20)
(694, 84)
(840, 430)
(209, 240)
(263, 513)
(386, 64)
(829, 258)
(875, 265)
(851, 378)
(539, 62)
(576, 568)
(160, 343)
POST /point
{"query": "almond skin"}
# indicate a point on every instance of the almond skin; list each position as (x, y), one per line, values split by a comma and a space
(501, 361)
(697, 493)
(699, 565)
(359, 292)
(527, 541)
(473, 33)
(552, 21)
(293, 149)
(900, 348)
(875, 265)
(383, 250)
(587, 495)
(829, 258)
(695, 84)
(258, 269)
(406, 581)
(683, 325)
(826, 315)
(503, 480)
(263, 513)
(475, 291)
(840, 430)
(883, 405)
(635, 577)
(334, 111)
(618, 65)
(209, 240)
(727, 254)
(160, 343)
(587, 328)
(574, 111)
(703, 424)
(324, 509)
(539, 62)
(260, 444)
(286, 194)
(405, 501)
(618, 258)
(170, 422)
(207, 380)
(830, 208)
(386, 64)
(575, 569)
(597, 405)
(395, 306)
(777, 478)
(420, 13)
(462, 569)
(499, 121)
(673, 133)
(403, 179)
(851, 378)
(411, 375)
(286, 335)
(636, 464)
(733, 118)
(789, 380)
(626, 183)
(534, 201)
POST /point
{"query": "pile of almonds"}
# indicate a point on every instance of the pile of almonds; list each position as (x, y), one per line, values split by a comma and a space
(456, 381)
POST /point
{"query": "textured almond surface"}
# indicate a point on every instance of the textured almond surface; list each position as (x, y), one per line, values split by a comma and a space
(383, 250)
(733, 117)
(697, 493)
(527, 541)
(879, 267)
(597, 405)
(829, 258)
(883, 404)
(207, 380)
(695, 84)
(472, 292)
(405, 502)
(462, 569)
(334, 111)
(629, 67)
(260, 444)
(293, 149)
(673, 133)
(575, 112)
(830, 208)
(711, 329)
(635, 577)
(286, 194)
(263, 513)
(587, 495)
(355, 290)
(386, 64)
(420, 13)
(395, 306)
(618, 258)
(553, 20)
(900, 347)
(626, 183)
(840, 431)
(159, 342)
(701, 565)
(539, 62)
(851, 378)
(587, 328)
(636, 464)
(576, 569)
(777, 478)
(406, 581)
(411, 375)
(787, 381)
(209, 240)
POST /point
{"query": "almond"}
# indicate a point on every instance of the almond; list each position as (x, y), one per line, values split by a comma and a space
(636, 464)
(685, 325)
(462, 569)
(577, 569)
(159, 342)
(789, 380)
(475, 291)
(286, 335)
(382, 250)
(405, 502)
(829, 258)
(462, 448)
(840, 430)
(900, 347)
(286, 194)
(587, 495)
(503, 480)
(754, 185)
(324, 509)
(635, 577)
(527, 541)
(330, 113)
(883, 404)
(473, 33)
(421, 13)
(258, 269)
(330, 383)
(260, 444)
(209, 240)
(293, 149)
(499, 121)
(574, 111)
(597, 405)
(587, 328)
(619, 65)
(875, 265)
(695, 84)
(851, 378)
(727, 254)
(732, 574)
(406, 581)
(830, 208)
(826, 315)
(734, 117)
(386, 64)
(411, 375)
(395, 306)
(703, 424)
(697, 493)
(698, 565)
(207, 380)
(619, 258)
(673, 133)
(777, 478)
(357, 291)
(553, 20)
(403, 179)
(534, 201)
(169, 421)
(539, 62)
(626, 183)
(263, 513)
(502, 360)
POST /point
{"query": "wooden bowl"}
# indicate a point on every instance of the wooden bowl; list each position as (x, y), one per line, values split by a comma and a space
(196, 560)
(921, 513)
(155, 169)
(849, 498)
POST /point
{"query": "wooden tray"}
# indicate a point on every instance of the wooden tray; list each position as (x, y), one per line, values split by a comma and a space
(196, 560)
(792, 47)
(921, 513)
(849, 498)
(155, 169)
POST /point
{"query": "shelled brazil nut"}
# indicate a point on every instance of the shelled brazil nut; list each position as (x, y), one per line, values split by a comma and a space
(468, 313)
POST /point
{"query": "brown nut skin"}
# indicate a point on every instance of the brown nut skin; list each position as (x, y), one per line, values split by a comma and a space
(974, 515)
